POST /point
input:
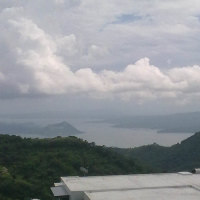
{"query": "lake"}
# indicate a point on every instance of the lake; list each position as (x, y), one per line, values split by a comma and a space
(105, 134)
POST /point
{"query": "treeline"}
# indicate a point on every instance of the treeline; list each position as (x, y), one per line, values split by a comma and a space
(180, 157)
(29, 167)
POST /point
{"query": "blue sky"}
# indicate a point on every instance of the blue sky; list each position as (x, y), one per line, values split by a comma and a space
(127, 18)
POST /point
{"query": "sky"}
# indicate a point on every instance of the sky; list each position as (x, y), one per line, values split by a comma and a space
(108, 56)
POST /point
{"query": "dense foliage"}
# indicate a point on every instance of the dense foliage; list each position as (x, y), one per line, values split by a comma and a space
(28, 167)
(180, 157)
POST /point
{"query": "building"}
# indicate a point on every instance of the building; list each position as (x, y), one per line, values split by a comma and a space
(178, 186)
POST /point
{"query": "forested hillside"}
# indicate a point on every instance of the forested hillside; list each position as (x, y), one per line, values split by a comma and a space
(28, 167)
(179, 157)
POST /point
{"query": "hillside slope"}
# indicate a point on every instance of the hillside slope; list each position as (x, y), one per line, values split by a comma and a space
(179, 157)
(28, 167)
(30, 129)
(173, 123)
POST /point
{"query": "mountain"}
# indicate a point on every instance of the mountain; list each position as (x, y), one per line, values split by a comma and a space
(174, 123)
(179, 157)
(28, 167)
(30, 129)
(61, 129)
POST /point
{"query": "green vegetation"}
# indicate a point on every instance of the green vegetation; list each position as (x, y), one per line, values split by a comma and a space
(28, 167)
(180, 157)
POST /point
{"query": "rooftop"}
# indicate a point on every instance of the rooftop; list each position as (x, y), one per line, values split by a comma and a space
(126, 182)
(179, 193)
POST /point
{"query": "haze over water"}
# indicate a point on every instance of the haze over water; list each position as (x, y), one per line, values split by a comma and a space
(105, 134)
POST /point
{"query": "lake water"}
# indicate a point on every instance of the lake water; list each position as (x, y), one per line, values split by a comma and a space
(105, 134)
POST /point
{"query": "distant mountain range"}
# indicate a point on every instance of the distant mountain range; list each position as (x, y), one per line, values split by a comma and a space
(180, 157)
(31, 129)
(174, 123)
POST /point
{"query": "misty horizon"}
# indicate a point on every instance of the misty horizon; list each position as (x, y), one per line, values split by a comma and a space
(63, 60)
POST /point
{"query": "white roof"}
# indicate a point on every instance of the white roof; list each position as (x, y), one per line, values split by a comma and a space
(58, 191)
(123, 182)
(180, 193)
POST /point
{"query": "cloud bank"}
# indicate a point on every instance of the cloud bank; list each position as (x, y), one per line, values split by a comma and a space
(36, 62)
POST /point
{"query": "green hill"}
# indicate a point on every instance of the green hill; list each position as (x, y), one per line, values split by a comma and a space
(28, 167)
(179, 157)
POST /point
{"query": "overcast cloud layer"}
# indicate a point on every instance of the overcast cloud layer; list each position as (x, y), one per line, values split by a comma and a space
(100, 48)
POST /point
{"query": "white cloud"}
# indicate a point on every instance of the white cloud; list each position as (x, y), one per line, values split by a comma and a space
(51, 55)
